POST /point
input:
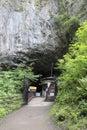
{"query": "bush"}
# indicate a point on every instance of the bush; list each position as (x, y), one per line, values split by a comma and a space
(11, 83)
(2, 112)
(73, 83)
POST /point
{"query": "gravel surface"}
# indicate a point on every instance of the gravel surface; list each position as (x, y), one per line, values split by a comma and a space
(34, 116)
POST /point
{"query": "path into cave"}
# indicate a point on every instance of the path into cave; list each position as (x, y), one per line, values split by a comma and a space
(34, 116)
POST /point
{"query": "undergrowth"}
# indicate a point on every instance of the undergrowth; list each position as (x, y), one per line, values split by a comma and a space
(11, 83)
(71, 102)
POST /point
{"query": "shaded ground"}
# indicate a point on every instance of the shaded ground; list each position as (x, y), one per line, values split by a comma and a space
(32, 116)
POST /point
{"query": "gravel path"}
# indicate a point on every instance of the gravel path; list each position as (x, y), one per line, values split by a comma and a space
(34, 116)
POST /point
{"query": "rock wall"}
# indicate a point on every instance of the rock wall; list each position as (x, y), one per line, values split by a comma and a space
(28, 26)
(29, 23)
(26, 23)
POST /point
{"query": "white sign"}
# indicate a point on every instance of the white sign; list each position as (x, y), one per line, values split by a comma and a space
(51, 94)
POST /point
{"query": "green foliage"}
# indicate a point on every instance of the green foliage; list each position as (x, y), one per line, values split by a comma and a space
(66, 27)
(11, 82)
(38, 2)
(2, 112)
(71, 101)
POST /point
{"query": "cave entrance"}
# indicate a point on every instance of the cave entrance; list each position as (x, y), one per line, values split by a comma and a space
(38, 86)
(44, 62)
(45, 87)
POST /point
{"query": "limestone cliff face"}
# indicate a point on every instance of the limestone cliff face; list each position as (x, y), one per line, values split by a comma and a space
(26, 23)
(29, 23)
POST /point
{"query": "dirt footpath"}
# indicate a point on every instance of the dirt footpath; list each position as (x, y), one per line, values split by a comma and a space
(34, 116)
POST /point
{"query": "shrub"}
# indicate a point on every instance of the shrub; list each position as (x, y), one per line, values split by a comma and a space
(11, 82)
(73, 83)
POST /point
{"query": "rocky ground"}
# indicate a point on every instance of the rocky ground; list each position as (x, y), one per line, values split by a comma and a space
(35, 115)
